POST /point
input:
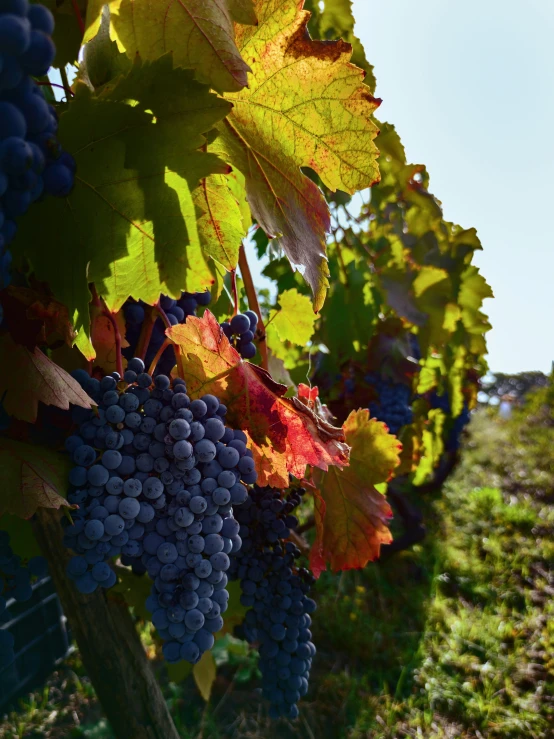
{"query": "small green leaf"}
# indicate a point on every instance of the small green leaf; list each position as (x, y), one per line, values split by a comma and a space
(295, 320)
(204, 675)
(178, 671)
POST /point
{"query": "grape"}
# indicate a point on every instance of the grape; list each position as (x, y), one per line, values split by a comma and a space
(41, 19)
(268, 573)
(392, 404)
(12, 122)
(162, 508)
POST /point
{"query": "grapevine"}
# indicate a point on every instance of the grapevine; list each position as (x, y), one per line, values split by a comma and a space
(162, 417)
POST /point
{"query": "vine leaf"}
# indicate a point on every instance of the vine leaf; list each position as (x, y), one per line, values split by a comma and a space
(305, 106)
(27, 377)
(295, 320)
(33, 317)
(129, 225)
(31, 477)
(204, 673)
(221, 226)
(286, 435)
(350, 513)
(199, 34)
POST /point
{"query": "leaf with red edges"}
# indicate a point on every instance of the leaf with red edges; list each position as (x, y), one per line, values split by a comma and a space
(286, 434)
(350, 513)
(27, 377)
(31, 477)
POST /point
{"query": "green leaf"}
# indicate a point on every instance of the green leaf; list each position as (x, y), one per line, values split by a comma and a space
(134, 589)
(22, 537)
(295, 319)
(204, 673)
(305, 106)
(67, 35)
(31, 477)
(129, 224)
(178, 671)
(199, 34)
(337, 21)
(220, 224)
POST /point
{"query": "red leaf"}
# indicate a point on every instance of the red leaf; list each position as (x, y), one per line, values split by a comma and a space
(33, 317)
(27, 377)
(351, 514)
(309, 393)
(286, 434)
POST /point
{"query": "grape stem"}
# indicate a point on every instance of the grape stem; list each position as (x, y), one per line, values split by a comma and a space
(254, 305)
(157, 358)
(234, 291)
(145, 333)
(78, 16)
(300, 542)
(54, 84)
(65, 83)
(306, 526)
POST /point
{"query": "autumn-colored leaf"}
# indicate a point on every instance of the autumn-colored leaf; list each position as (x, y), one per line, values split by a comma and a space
(31, 477)
(34, 317)
(286, 434)
(305, 106)
(27, 377)
(351, 515)
(103, 338)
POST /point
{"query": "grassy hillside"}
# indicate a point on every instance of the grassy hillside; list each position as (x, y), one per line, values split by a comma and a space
(451, 639)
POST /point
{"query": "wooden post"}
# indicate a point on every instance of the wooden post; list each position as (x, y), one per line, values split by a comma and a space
(109, 645)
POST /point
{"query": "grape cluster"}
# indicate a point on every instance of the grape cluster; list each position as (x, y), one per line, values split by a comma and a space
(240, 331)
(176, 311)
(156, 478)
(276, 591)
(393, 402)
(15, 582)
(31, 160)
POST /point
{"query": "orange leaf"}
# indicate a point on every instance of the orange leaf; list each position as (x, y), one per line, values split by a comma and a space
(286, 434)
(103, 338)
(27, 377)
(350, 513)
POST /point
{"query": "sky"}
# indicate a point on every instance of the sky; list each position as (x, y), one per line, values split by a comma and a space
(469, 86)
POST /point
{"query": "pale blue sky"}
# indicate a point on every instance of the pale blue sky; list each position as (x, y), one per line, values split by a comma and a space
(469, 85)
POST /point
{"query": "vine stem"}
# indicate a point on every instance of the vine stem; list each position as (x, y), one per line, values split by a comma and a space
(78, 16)
(254, 304)
(53, 84)
(159, 353)
(145, 334)
(234, 292)
(66, 85)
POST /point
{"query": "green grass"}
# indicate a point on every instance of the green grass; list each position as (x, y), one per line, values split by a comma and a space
(453, 638)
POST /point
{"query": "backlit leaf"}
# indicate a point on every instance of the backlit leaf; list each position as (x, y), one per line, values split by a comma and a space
(27, 377)
(285, 434)
(199, 33)
(294, 321)
(204, 673)
(305, 106)
(31, 477)
(129, 225)
(351, 515)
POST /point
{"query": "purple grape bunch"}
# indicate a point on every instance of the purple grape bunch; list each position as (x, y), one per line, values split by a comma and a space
(31, 159)
(240, 331)
(156, 478)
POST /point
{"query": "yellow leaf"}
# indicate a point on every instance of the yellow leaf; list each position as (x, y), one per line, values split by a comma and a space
(295, 320)
(204, 675)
